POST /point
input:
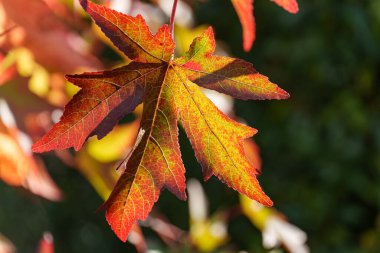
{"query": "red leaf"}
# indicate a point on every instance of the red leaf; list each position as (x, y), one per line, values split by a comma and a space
(46, 244)
(289, 5)
(169, 90)
(17, 166)
(244, 9)
(233, 77)
(131, 34)
(105, 98)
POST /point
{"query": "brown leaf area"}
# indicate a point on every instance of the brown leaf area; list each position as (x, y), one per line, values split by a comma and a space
(40, 30)
(17, 168)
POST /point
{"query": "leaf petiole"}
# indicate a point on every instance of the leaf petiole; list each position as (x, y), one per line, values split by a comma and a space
(171, 26)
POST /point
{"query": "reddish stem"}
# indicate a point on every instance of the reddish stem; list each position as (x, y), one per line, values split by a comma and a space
(174, 9)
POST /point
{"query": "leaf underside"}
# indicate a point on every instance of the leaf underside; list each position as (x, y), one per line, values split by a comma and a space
(171, 94)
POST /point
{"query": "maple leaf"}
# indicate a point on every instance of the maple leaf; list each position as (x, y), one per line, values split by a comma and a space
(244, 10)
(17, 165)
(170, 91)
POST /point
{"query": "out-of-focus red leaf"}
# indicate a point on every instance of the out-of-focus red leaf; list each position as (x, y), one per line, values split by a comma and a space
(6, 72)
(46, 244)
(40, 183)
(32, 114)
(244, 9)
(13, 164)
(53, 45)
(289, 5)
(18, 167)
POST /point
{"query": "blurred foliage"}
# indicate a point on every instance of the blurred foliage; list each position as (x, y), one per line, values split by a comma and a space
(320, 149)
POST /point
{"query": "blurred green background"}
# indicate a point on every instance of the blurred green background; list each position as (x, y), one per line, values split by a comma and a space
(320, 148)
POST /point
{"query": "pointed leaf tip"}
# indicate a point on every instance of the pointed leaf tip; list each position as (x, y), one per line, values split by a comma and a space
(234, 77)
(244, 10)
(289, 5)
(131, 34)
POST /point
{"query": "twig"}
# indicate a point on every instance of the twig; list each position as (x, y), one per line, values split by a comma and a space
(171, 26)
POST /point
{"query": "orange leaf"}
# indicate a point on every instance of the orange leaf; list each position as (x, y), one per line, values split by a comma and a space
(227, 75)
(244, 9)
(169, 90)
(13, 166)
(289, 5)
(18, 167)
